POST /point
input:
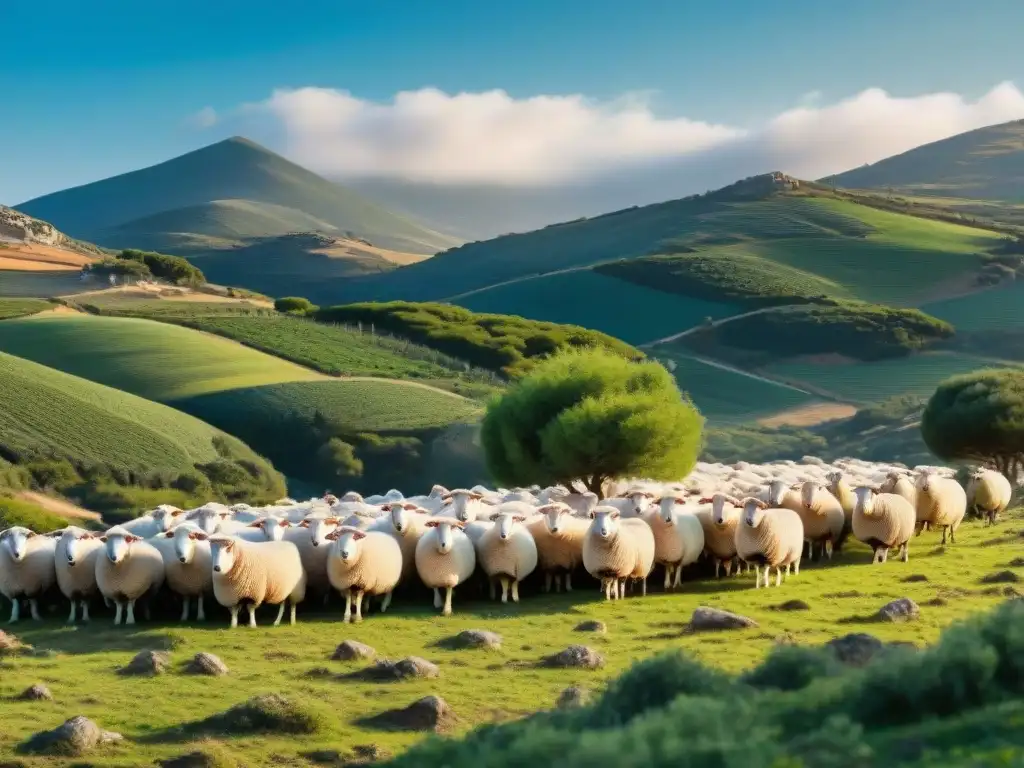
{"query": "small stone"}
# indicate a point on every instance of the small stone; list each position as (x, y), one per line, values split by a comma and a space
(206, 664)
(591, 626)
(915, 578)
(474, 638)
(147, 663)
(572, 698)
(855, 649)
(351, 650)
(903, 609)
(431, 713)
(409, 668)
(37, 692)
(705, 618)
(575, 656)
(1001, 577)
(73, 738)
(1017, 562)
(793, 605)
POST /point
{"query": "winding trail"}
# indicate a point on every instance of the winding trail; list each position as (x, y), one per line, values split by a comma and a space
(714, 324)
(515, 280)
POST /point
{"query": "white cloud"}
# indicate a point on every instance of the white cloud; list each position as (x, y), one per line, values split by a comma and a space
(491, 138)
(206, 117)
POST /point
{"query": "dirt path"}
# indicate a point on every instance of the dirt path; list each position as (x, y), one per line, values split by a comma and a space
(515, 280)
(58, 506)
(748, 374)
(701, 327)
(60, 309)
(809, 415)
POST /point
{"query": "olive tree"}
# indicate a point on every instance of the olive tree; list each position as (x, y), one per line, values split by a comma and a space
(979, 417)
(591, 415)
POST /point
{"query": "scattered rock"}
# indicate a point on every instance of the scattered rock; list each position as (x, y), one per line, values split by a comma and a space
(576, 656)
(351, 650)
(317, 673)
(572, 697)
(1009, 591)
(915, 578)
(147, 663)
(73, 738)
(37, 692)
(361, 755)
(473, 638)
(705, 618)
(266, 713)
(431, 713)
(855, 649)
(11, 645)
(212, 755)
(937, 602)
(1001, 577)
(206, 664)
(903, 609)
(412, 667)
(793, 605)
(1017, 562)
(591, 626)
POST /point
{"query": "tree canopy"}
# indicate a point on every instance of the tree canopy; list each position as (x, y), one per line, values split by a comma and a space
(591, 415)
(978, 416)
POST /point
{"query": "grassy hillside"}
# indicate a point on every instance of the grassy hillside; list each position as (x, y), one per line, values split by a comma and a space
(181, 190)
(505, 684)
(22, 307)
(986, 163)
(286, 411)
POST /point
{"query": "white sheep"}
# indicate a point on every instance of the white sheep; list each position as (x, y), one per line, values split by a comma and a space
(406, 522)
(988, 492)
(941, 503)
(128, 570)
(255, 573)
(363, 563)
(508, 553)
(678, 537)
(75, 564)
(158, 520)
(464, 505)
(842, 490)
(883, 521)
(720, 530)
(643, 539)
(608, 554)
(187, 565)
(209, 516)
(559, 539)
(266, 528)
(444, 558)
(822, 515)
(26, 568)
(897, 481)
(770, 537)
(634, 503)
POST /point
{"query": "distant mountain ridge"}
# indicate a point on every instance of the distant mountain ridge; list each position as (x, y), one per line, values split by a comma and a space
(235, 179)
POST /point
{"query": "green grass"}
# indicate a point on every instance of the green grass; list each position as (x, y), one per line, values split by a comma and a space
(480, 686)
(633, 313)
(999, 308)
(49, 410)
(726, 397)
(870, 382)
(22, 307)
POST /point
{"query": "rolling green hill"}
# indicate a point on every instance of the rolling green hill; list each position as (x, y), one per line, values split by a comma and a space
(987, 164)
(222, 191)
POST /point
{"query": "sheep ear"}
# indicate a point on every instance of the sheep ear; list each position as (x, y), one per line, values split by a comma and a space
(132, 539)
(476, 496)
(169, 535)
(519, 518)
(103, 539)
(446, 497)
(679, 500)
(198, 536)
(410, 506)
(288, 524)
(762, 504)
(705, 500)
(332, 520)
(432, 523)
(458, 523)
(614, 515)
(224, 515)
(659, 500)
(796, 486)
(31, 534)
(304, 524)
(176, 512)
(733, 500)
(333, 535)
(592, 514)
(256, 524)
(357, 535)
(446, 500)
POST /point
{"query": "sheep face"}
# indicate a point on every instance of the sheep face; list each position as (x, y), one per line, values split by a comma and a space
(15, 541)
(437, 492)
(753, 512)
(165, 516)
(554, 516)
(605, 521)
(834, 477)
(185, 539)
(222, 555)
(352, 496)
(400, 515)
(640, 501)
(118, 546)
(865, 498)
(445, 537)
(718, 502)
(924, 481)
(776, 490)
(809, 492)
(460, 500)
(346, 542)
(506, 524)
(208, 519)
(666, 505)
(71, 546)
(319, 527)
(272, 527)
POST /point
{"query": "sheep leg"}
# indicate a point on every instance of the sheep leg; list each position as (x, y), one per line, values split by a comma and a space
(547, 581)
(606, 586)
(668, 577)
(234, 616)
(117, 612)
(252, 615)
(945, 530)
(359, 605)
(491, 587)
(33, 607)
(757, 574)
(348, 606)
(504, 589)
(85, 610)
(327, 597)
(905, 552)
(952, 534)
(131, 612)
(796, 567)
(200, 613)
(74, 612)
(385, 603)
(885, 554)
(778, 575)
(280, 614)
(437, 598)
(643, 587)
(184, 609)
(447, 611)
(828, 548)
(718, 564)
(291, 615)
(679, 577)
(515, 591)
(568, 582)
(623, 583)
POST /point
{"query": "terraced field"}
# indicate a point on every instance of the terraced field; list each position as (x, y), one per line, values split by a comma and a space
(22, 307)
(629, 312)
(864, 383)
(725, 397)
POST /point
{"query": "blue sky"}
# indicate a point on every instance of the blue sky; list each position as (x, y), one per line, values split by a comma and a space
(94, 88)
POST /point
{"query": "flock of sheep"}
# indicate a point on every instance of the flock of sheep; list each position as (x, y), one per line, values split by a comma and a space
(765, 516)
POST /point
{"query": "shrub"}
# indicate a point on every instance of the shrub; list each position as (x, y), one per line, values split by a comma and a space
(173, 269)
(294, 305)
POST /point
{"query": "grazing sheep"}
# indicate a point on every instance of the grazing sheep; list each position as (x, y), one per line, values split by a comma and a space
(633, 503)
(508, 553)
(129, 570)
(155, 521)
(582, 503)
(988, 492)
(899, 483)
(406, 522)
(839, 488)
(363, 563)
(187, 565)
(75, 564)
(266, 528)
(255, 573)
(823, 517)
(678, 537)
(26, 568)
(559, 539)
(781, 495)
(464, 505)
(769, 537)
(883, 521)
(609, 554)
(209, 516)
(444, 558)
(720, 530)
(941, 503)
(643, 540)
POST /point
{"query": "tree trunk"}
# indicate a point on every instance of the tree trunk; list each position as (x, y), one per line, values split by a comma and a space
(595, 483)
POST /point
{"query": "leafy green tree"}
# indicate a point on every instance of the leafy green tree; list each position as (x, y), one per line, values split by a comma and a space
(338, 458)
(591, 415)
(978, 416)
(294, 305)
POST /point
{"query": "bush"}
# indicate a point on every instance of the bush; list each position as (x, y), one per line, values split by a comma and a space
(793, 667)
(295, 305)
(119, 267)
(173, 269)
